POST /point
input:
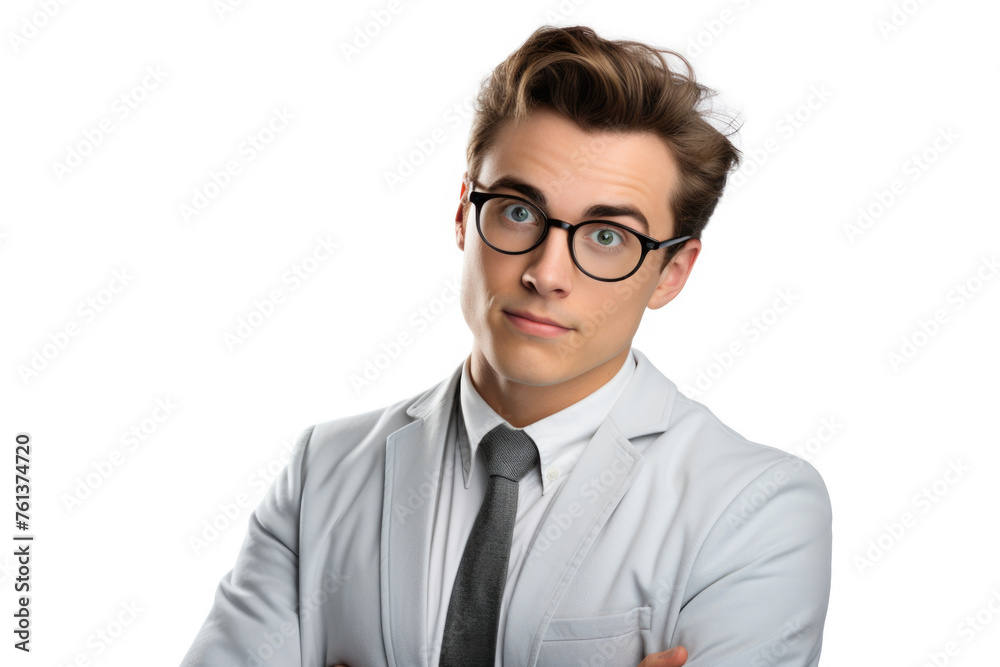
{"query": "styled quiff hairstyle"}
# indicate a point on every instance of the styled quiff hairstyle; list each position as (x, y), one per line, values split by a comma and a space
(612, 85)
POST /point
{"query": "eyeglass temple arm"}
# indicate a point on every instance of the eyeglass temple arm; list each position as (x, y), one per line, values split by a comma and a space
(670, 242)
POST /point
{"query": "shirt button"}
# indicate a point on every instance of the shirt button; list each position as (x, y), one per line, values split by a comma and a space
(552, 473)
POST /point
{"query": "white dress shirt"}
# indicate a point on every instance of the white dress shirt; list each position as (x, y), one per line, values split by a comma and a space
(560, 439)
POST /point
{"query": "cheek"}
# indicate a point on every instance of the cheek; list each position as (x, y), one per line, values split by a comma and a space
(490, 272)
(476, 286)
(624, 308)
(472, 291)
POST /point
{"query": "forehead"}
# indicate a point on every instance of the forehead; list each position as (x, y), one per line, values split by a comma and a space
(576, 169)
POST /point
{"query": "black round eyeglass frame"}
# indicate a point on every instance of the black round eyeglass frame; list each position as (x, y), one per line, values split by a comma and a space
(647, 243)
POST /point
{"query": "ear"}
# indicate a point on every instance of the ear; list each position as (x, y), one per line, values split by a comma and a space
(675, 274)
(463, 206)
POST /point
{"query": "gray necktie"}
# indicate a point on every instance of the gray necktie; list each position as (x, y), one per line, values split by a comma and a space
(470, 630)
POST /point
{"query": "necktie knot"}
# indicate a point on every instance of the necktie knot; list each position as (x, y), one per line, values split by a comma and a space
(509, 453)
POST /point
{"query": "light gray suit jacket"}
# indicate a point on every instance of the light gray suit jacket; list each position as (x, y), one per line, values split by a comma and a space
(671, 529)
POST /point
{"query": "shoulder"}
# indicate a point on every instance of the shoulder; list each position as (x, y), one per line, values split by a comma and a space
(327, 442)
(352, 428)
(711, 451)
(720, 483)
(361, 437)
(747, 505)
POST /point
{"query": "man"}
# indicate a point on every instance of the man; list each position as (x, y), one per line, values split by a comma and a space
(641, 523)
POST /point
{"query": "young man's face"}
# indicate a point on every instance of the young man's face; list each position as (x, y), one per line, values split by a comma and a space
(574, 170)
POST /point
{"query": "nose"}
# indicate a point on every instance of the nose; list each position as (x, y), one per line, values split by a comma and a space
(551, 266)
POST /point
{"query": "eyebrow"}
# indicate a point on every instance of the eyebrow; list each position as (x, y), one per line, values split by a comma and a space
(596, 211)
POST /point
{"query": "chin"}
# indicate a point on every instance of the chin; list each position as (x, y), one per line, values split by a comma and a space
(520, 361)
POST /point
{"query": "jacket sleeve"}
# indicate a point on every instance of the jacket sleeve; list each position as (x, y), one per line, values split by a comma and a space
(760, 585)
(254, 619)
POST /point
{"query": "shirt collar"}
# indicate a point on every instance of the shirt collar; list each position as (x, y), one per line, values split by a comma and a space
(558, 436)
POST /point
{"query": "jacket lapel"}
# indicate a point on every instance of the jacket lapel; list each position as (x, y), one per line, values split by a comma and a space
(591, 493)
(412, 465)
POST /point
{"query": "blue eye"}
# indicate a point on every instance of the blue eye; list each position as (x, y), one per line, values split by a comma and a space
(606, 236)
(518, 213)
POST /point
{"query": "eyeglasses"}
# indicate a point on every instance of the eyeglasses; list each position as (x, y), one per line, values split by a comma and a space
(603, 250)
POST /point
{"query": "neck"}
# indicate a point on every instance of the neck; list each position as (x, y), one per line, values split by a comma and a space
(521, 403)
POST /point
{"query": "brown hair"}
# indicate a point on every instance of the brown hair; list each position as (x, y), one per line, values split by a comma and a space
(612, 85)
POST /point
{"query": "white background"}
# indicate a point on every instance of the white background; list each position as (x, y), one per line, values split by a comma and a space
(783, 225)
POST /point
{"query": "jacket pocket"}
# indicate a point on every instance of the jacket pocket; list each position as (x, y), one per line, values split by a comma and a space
(615, 639)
